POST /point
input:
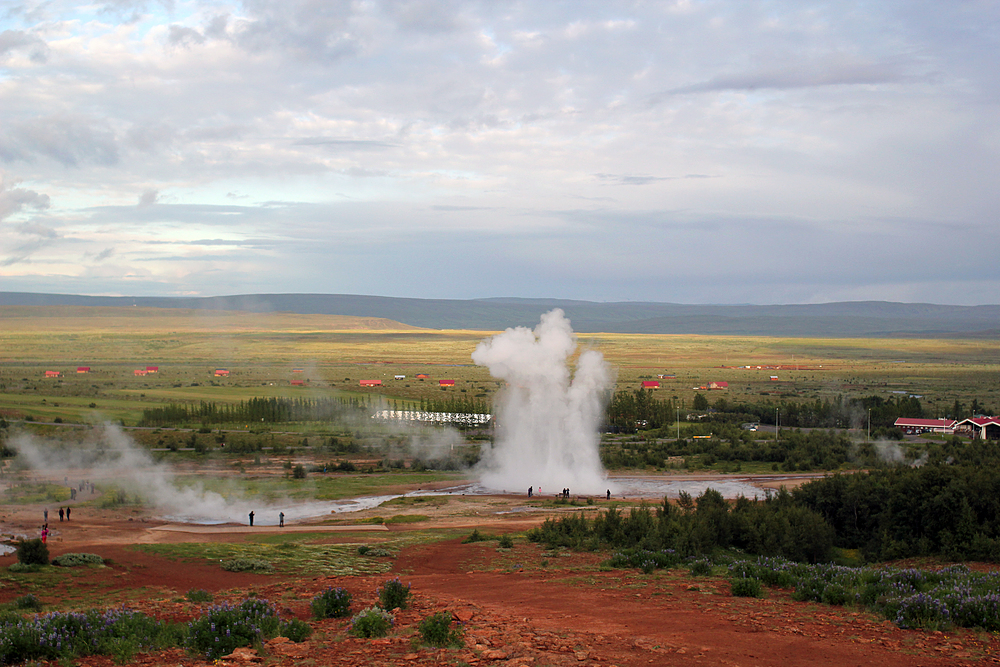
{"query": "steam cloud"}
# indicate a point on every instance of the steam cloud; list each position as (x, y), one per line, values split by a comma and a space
(108, 457)
(547, 417)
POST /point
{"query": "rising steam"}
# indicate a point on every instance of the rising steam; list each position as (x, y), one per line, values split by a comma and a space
(109, 458)
(547, 417)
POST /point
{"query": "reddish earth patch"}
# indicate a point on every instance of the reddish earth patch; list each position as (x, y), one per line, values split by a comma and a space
(518, 611)
(520, 608)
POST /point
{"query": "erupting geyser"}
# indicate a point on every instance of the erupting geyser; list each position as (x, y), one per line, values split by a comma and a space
(547, 417)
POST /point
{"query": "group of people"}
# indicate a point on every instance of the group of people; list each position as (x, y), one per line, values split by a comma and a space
(564, 493)
(281, 519)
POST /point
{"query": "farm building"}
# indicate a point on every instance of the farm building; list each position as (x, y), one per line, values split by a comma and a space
(152, 369)
(718, 385)
(667, 376)
(296, 370)
(52, 374)
(298, 383)
(774, 378)
(650, 384)
(83, 369)
(987, 428)
(371, 383)
(221, 373)
(139, 371)
(446, 383)
(422, 376)
(912, 426)
(399, 377)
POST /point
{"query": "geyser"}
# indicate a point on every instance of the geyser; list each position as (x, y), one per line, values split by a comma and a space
(547, 416)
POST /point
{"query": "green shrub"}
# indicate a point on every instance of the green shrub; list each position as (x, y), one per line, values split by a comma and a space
(28, 602)
(475, 536)
(199, 595)
(32, 552)
(436, 630)
(247, 565)
(505, 542)
(700, 568)
(296, 630)
(836, 594)
(76, 560)
(299, 472)
(394, 595)
(745, 587)
(226, 627)
(372, 622)
(364, 549)
(331, 603)
(22, 568)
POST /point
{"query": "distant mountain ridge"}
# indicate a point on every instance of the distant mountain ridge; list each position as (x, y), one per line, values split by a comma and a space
(840, 319)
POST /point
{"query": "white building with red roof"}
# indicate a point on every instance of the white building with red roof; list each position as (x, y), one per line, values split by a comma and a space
(912, 426)
(987, 428)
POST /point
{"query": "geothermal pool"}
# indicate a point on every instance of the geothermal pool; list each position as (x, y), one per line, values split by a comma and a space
(651, 488)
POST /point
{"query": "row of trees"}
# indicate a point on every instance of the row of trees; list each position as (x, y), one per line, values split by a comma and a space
(794, 450)
(777, 526)
(256, 410)
(948, 506)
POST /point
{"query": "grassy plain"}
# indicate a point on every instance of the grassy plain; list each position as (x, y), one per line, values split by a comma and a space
(264, 353)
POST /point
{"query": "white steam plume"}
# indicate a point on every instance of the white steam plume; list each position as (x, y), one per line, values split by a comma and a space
(547, 418)
(108, 457)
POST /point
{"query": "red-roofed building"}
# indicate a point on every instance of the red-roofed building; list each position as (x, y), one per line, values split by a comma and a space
(371, 383)
(83, 369)
(52, 374)
(221, 373)
(718, 385)
(422, 376)
(912, 426)
(650, 384)
(152, 369)
(298, 383)
(987, 428)
(139, 371)
(446, 383)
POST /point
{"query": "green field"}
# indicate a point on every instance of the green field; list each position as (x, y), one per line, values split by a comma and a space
(265, 353)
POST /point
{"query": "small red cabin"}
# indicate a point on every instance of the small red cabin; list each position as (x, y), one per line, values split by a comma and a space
(152, 369)
(446, 383)
(371, 383)
(52, 374)
(221, 372)
(139, 371)
(650, 384)
(83, 369)
(298, 383)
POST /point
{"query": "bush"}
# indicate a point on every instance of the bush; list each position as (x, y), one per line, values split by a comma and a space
(22, 568)
(745, 587)
(32, 552)
(372, 622)
(28, 602)
(364, 549)
(62, 637)
(394, 595)
(299, 472)
(505, 542)
(296, 630)
(247, 565)
(700, 568)
(199, 595)
(436, 630)
(226, 627)
(475, 536)
(76, 560)
(331, 603)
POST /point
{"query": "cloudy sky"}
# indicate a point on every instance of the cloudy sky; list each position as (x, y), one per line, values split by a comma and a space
(717, 151)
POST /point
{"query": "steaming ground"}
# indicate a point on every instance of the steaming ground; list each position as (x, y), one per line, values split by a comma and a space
(547, 416)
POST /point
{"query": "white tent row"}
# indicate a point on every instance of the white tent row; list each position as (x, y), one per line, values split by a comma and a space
(464, 418)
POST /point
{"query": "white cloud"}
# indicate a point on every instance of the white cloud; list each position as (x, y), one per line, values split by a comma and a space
(823, 148)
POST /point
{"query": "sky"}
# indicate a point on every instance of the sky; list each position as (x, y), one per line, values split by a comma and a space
(717, 151)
